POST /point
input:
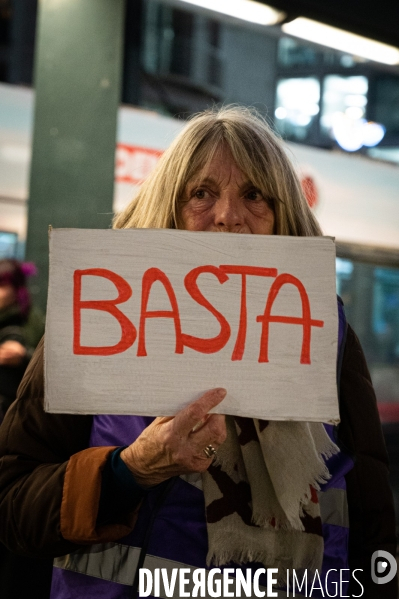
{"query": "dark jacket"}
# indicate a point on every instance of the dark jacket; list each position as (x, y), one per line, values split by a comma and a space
(50, 483)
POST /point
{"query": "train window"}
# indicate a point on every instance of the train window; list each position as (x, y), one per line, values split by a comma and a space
(344, 104)
(168, 40)
(293, 54)
(297, 105)
(344, 269)
(371, 297)
(215, 64)
(178, 43)
(8, 244)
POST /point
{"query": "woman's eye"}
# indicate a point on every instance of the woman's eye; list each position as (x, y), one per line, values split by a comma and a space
(200, 194)
(254, 194)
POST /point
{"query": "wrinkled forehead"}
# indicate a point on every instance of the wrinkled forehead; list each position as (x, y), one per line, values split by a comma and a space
(217, 163)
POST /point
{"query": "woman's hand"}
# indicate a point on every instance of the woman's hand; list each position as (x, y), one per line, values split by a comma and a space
(170, 447)
(12, 353)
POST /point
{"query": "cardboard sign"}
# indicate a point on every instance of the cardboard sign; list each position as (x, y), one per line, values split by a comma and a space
(143, 321)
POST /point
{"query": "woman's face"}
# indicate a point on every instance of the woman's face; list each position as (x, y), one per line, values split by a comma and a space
(221, 198)
(7, 296)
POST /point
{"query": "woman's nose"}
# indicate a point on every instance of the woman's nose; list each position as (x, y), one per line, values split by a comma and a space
(229, 214)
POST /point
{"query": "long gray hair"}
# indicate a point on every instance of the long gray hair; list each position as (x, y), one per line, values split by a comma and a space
(258, 152)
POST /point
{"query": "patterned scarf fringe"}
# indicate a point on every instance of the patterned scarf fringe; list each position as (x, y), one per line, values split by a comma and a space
(260, 494)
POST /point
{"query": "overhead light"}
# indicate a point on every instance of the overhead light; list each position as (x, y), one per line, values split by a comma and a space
(246, 10)
(342, 40)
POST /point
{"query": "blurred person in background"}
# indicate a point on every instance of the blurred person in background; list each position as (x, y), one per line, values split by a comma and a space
(21, 327)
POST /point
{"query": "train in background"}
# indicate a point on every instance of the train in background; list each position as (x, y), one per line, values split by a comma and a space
(355, 199)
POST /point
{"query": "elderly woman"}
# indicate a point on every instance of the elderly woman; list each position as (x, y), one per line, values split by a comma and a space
(107, 492)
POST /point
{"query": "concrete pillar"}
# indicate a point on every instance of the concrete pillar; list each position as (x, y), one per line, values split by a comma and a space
(78, 66)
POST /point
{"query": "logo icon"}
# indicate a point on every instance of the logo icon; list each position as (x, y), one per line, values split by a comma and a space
(383, 567)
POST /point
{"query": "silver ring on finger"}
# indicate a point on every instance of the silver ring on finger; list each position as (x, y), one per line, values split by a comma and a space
(209, 451)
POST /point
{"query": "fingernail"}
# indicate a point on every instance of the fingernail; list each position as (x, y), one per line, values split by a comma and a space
(221, 392)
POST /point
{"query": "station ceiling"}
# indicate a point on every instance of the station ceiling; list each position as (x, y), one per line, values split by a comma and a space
(376, 19)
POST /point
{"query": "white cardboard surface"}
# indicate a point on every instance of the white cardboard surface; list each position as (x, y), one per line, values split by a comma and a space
(163, 381)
